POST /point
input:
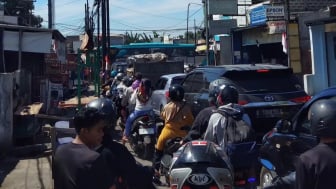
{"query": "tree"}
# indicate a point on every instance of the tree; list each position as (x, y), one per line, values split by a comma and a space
(23, 9)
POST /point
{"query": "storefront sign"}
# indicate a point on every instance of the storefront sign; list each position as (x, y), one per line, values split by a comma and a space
(276, 27)
(275, 11)
(258, 15)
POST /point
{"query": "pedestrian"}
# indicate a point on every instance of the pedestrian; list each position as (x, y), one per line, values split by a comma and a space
(76, 165)
(178, 118)
(316, 167)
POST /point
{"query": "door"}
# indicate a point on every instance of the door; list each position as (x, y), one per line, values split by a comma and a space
(331, 53)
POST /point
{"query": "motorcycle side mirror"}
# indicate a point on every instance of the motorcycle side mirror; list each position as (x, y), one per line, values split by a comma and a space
(283, 126)
(267, 164)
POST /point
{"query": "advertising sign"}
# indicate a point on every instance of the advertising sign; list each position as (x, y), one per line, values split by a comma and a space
(258, 15)
(223, 7)
(221, 26)
(276, 27)
(275, 11)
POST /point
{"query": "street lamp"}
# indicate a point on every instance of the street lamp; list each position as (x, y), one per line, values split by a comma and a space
(188, 19)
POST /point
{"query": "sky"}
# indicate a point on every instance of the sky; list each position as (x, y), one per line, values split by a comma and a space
(167, 17)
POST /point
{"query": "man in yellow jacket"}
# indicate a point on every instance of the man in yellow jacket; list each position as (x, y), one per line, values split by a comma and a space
(177, 115)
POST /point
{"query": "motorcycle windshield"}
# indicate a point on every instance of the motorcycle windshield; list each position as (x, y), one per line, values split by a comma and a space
(201, 154)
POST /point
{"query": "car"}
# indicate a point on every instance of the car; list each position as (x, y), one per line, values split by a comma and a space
(159, 96)
(282, 145)
(267, 92)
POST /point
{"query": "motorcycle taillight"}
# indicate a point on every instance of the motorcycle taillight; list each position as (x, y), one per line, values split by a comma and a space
(145, 118)
(186, 187)
(227, 187)
(214, 187)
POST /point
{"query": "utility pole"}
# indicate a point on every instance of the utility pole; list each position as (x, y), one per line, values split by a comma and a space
(103, 34)
(50, 18)
(207, 30)
(287, 33)
(108, 34)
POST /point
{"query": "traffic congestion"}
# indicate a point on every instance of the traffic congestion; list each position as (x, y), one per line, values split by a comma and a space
(243, 99)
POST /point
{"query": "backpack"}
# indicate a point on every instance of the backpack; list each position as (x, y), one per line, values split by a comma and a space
(240, 141)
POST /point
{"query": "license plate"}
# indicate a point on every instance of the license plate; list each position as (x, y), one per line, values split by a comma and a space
(269, 113)
(146, 131)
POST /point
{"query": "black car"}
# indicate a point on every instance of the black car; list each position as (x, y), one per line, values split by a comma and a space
(268, 92)
(282, 145)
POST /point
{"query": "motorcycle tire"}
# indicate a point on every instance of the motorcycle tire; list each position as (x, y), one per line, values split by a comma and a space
(148, 151)
(266, 177)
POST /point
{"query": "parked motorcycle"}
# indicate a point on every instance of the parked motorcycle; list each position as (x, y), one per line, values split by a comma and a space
(201, 164)
(143, 136)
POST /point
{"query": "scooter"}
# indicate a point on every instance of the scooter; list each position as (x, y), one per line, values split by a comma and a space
(143, 136)
(277, 182)
(201, 164)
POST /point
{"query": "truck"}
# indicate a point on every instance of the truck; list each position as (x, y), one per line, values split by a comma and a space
(154, 65)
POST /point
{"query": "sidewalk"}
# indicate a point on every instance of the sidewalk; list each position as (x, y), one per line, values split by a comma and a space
(26, 173)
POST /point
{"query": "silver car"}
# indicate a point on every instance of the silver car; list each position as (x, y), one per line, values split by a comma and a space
(159, 95)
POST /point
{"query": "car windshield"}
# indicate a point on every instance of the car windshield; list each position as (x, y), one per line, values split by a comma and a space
(272, 81)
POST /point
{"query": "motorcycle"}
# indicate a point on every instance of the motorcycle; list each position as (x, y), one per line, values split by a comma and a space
(200, 164)
(143, 136)
(279, 153)
(285, 182)
(171, 146)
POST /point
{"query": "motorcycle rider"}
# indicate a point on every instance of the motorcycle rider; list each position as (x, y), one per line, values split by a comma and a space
(137, 81)
(128, 173)
(142, 97)
(227, 100)
(177, 116)
(126, 106)
(201, 122)
(77, 164)
(316, 167)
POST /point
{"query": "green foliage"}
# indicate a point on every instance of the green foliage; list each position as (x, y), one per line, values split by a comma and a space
(23, 9)
(137, 38)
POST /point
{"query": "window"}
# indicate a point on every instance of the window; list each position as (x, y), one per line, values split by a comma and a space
(160, 85)
(177, 80)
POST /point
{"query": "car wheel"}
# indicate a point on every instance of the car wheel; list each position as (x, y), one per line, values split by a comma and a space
(266, 177)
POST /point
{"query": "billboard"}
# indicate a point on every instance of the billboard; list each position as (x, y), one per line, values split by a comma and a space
(221, 26)
(223, 7)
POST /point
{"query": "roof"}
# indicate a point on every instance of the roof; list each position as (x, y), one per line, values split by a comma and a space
(321, 21)
(173, 75)
(55, 33)
(246, 67)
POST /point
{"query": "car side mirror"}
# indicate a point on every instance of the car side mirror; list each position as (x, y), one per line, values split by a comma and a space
(283, 126)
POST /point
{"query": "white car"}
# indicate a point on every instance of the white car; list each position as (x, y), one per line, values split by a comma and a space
(159, 96)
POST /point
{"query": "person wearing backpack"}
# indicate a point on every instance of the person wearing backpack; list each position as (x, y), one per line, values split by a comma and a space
(231, 129)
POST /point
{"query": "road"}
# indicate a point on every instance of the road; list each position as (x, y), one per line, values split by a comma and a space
(29, 167)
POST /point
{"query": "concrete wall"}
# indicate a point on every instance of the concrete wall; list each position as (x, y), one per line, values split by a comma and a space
(6, 111)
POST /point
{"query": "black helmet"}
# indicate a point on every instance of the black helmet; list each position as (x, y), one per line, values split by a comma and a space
(127, 81)
(94, 111)
(227, 94)
(176, 92)
(214, 87)
(322, 116)
(120, 76)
